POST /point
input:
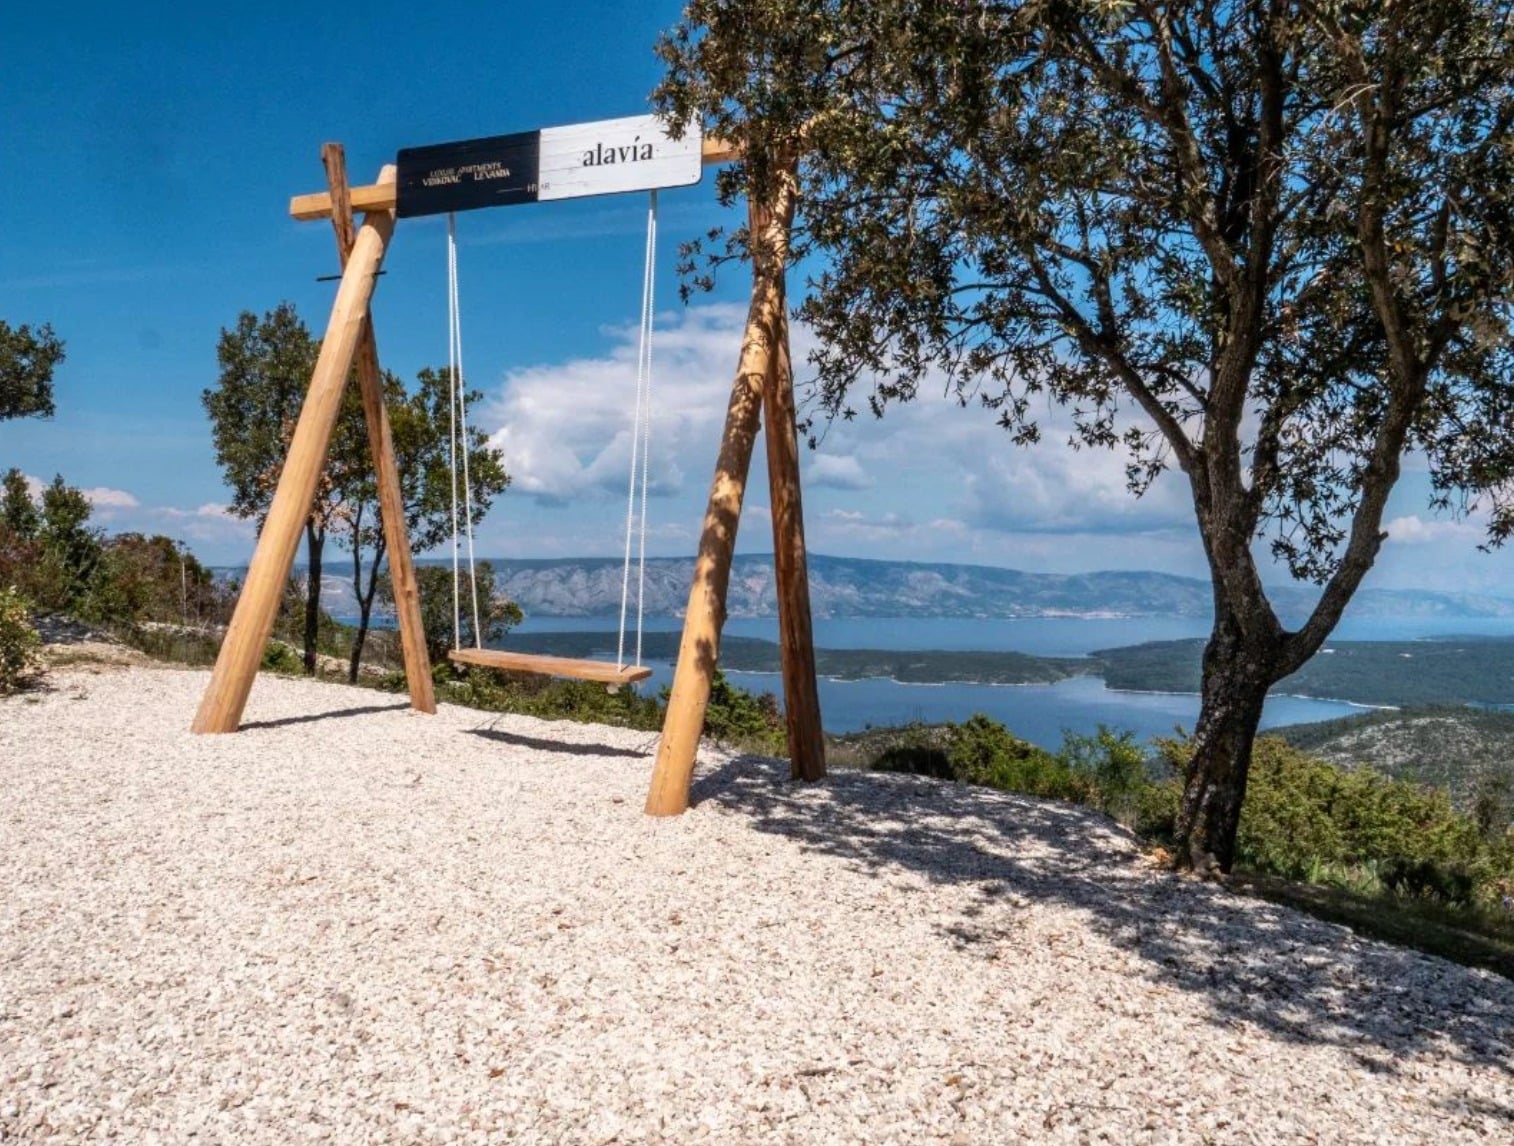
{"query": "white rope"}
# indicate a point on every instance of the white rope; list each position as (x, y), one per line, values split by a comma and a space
(459, 444)
(641, 436)
(457, 614)
(646, 424)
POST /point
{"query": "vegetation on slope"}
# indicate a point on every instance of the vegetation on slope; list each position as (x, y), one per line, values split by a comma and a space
(1393, 858)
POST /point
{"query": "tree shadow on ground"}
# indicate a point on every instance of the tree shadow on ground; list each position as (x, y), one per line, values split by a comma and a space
(315, 717)
(557, 747)
(1295, 977)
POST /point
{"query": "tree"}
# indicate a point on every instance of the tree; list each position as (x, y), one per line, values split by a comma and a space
(497, 616)
(27, 360)
(265, 368)
(154, 579)
(421, 429)
(71, 547)
(18, 512)
(1267, 242)
(48, 549)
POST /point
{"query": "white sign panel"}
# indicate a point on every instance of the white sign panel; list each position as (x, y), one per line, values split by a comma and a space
(613, 155)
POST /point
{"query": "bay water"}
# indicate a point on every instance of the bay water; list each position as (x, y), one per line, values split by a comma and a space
(1038, 713)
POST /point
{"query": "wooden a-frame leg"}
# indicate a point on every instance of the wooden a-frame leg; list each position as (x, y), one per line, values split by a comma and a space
(242, 650)
(801, 694)
(407, 599)
(699, 650)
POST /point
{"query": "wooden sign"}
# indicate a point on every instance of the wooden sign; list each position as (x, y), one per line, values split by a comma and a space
(604, 158)
(615, 155)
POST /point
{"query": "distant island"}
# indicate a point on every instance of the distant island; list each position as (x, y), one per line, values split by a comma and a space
(1461, 670)
(851, 587)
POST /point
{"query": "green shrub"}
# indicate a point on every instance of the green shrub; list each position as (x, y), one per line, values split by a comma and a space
(20, 646)
(915, 760)
(1118, 768)
(279, 657)
(982, 751)
(738, 717)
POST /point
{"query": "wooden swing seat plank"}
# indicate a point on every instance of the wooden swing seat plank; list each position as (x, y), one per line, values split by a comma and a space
(601, 671)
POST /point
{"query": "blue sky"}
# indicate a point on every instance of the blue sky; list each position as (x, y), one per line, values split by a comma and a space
(149, 155)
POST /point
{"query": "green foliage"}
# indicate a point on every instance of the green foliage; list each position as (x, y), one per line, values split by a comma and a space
(20, 646)
(48, 550)
(1116, 766)
(497, 616)
(152, 580)
(544, 698)
(279, 657)
(28, 358)
(1307, 819)
(19, 516)
(421, 428)
(265, 369)
(735, 716)
(1303, 819)
(983, 751)
(1269, 246)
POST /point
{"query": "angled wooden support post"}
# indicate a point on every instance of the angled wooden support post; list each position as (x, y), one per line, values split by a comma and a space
(242, 650)
(407, 597)
(699, 651)
(801, 695)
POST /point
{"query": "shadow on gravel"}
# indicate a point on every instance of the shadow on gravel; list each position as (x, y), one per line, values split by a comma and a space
(557, 747)
(316, 717)
(1296, 977)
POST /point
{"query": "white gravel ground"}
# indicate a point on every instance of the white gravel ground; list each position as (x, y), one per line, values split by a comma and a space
(354, 924)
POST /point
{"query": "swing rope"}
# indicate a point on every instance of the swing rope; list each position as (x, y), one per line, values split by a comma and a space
(458, 444)
(641, 440)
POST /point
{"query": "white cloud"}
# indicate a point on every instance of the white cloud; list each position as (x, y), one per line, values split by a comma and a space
(566, 429)
(105, 498)
(836, 471)
(1412, 529)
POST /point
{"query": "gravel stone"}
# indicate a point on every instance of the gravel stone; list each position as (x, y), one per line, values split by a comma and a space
(351, 923)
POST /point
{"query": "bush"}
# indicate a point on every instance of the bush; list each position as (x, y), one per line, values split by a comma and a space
(279, 657)
(982, 751)
(1118, 768)
(20, 646)
(735, 716)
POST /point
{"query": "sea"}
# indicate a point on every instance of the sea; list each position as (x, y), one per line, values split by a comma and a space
(1042, 714)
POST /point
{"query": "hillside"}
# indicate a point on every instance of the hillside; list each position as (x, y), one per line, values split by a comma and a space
(349, 924)
(1461, 670)
(1446, 747)
(854, 587)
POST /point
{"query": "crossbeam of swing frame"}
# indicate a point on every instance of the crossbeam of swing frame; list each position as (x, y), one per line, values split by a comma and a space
(383, 196)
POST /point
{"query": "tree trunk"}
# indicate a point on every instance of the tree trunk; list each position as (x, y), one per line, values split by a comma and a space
(315, 541)
(1237, 675)
(364, 607)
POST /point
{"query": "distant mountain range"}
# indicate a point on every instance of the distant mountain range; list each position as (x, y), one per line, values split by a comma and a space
(854, 587)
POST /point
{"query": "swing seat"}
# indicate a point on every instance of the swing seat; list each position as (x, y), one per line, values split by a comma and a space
(602, 672)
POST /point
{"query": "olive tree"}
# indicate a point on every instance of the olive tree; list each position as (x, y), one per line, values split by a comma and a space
(265, 367)
(1268, 243)
(27, 360)
(421, 428)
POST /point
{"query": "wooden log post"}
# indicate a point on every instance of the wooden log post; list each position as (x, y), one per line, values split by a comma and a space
(801, 695)
(699, 650)
(242, 650)
(407, 597)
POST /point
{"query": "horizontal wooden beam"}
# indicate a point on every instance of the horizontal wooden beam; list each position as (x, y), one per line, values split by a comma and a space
(602, 671)
(381, 196)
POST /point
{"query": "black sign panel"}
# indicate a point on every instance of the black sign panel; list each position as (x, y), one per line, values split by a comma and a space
(494, 172)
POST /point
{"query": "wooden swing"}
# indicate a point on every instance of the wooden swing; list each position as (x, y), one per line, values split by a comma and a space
(620, 673)
(612, 156)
